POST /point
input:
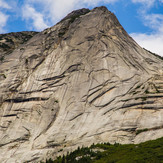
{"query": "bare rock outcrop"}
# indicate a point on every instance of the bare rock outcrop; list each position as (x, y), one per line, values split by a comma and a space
(10, 41)
(82, 81)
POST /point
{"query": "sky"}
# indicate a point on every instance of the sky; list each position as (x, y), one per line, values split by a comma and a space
(142, 19)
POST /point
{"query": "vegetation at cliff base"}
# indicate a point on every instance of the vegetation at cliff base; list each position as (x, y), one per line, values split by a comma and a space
(148, 152)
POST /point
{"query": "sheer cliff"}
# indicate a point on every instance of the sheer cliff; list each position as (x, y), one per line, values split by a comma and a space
(82, 81)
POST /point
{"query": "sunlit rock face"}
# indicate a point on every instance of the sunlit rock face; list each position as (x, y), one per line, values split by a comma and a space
(82, 81)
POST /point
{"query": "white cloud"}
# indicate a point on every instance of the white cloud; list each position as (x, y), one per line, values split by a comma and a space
(4, 5)
(96, 2)
(59, 8)
(3, 17)
(146, 3)
(55, 10)
(154, 21)
(37, 18)
(3, 21)
(151, 42)
(154, 40)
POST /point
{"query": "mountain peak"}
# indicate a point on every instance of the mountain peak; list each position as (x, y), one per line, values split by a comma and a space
(76, 13)
(103, 8)
(82, 81)
(84, 11)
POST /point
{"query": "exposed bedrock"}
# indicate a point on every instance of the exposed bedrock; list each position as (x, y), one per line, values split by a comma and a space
(82, 81)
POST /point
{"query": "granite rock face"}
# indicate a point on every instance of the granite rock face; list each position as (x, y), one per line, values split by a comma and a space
(82, 81)
(10, 41)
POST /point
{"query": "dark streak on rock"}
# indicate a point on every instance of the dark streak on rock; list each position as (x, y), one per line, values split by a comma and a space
(76, 116)
(10, 115)
(136, 104)
(19, 100)
(101, 94)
